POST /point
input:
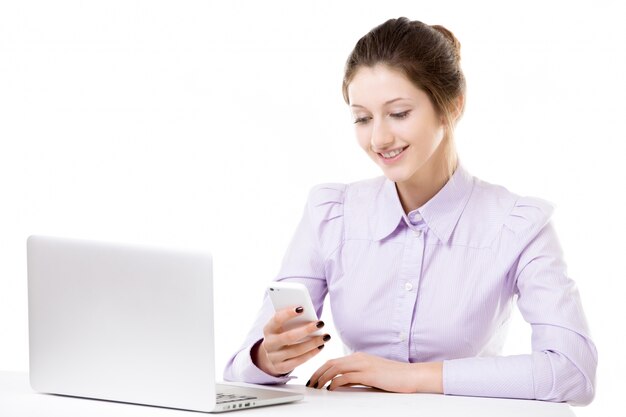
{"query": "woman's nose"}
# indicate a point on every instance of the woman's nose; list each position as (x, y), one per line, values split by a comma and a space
(381, 136)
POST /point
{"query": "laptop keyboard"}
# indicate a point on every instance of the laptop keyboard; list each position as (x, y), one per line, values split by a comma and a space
(223, 397)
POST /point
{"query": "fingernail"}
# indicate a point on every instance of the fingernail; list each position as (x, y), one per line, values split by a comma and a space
(315, 386)
(320, 347)
(328, 388)
(299, 310)
(308, 382)
(320, 324)
(326, 338)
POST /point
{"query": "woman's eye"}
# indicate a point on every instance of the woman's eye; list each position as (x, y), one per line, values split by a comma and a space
(401, 115)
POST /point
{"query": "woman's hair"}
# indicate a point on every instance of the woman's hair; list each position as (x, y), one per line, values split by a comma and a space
(429, 56)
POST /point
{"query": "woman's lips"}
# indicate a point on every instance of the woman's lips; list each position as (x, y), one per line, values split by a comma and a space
(393, 160)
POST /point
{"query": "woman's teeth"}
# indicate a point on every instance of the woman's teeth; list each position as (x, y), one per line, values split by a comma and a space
(393, 153)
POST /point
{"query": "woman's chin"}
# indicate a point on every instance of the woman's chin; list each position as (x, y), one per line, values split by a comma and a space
(395, 174)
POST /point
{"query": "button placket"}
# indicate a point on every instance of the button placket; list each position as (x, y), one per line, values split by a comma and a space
(407, 285)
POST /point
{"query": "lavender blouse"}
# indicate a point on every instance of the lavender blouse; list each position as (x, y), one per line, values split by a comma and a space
(439, 284)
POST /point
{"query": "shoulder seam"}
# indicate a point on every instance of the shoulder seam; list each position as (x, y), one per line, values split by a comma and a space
(343, 227)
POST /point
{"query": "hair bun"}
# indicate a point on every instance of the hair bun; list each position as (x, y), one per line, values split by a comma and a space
(451, 38)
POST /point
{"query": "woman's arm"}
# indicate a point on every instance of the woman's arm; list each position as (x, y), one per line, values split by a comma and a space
(318, 232)
(562, 365)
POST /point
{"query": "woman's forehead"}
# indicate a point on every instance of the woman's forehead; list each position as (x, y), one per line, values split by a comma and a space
(381, 85)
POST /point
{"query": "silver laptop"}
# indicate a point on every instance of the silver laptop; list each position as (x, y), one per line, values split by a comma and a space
(128, 323)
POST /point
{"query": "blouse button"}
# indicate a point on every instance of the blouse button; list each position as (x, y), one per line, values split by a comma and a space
(408, 286)
(418, 233)
(416, 217)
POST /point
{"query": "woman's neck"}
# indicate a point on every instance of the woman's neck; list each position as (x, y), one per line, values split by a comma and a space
(425, 183)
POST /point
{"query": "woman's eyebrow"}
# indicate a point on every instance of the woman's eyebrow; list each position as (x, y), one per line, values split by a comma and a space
(386, 102)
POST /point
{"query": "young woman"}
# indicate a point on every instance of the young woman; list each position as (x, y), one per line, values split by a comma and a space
(423, 264)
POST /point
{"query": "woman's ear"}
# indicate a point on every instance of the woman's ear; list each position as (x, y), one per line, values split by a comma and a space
(459, 103)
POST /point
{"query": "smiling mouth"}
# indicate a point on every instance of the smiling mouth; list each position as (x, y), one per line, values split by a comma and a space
(392, 154)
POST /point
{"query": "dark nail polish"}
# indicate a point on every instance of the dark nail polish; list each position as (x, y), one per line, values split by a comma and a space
(326, 337)
(320, 347)
(320, 324)
(308, 382)
(315, 386)
(299, 310)
(328, 388)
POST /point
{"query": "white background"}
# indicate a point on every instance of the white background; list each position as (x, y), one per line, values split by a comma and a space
(204, 124)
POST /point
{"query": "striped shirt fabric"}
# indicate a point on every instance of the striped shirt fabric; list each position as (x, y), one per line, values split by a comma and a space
(439, 284)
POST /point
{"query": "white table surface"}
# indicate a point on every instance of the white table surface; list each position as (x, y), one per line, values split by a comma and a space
(17, 399)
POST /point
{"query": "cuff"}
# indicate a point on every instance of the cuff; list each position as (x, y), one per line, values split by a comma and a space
(504, 377)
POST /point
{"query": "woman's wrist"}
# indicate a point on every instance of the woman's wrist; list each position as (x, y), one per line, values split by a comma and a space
(428, 377)
(259, 359)
(257, 354)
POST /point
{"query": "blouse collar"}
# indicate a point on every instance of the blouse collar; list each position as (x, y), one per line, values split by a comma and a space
(441, 213)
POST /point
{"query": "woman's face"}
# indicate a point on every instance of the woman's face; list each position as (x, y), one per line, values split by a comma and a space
(392, 115)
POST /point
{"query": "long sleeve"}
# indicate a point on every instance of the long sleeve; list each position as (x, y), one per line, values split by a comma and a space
(318, 232)
(563, 361)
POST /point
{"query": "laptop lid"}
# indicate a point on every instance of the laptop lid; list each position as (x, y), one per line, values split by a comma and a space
(121, 322)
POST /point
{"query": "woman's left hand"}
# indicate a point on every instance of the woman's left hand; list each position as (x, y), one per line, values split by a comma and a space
(373, 371)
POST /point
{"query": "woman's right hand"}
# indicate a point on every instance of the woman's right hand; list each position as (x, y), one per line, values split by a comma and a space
(280, 352)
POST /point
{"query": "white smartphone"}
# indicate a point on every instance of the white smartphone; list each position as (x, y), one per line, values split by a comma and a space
(293, 294)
